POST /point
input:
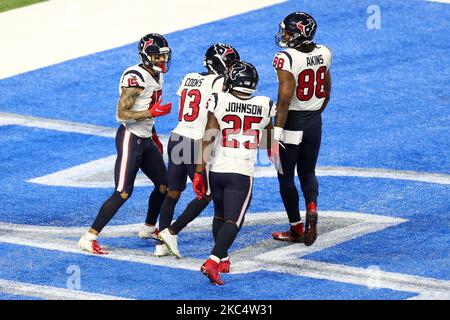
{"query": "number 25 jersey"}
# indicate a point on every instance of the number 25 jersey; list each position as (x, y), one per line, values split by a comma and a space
(309, 71)
(241, 123)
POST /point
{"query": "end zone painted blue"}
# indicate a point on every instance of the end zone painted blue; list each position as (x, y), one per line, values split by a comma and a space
(389, 109)
(5, 296)
(140, 281)
(389, 105)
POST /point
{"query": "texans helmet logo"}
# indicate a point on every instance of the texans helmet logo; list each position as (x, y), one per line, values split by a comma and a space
(147, 44)
(306, 29)
(236, 70)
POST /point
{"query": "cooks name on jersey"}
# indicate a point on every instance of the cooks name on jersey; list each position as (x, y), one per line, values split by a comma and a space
(193, 82)
(314, 60)
(244, 108)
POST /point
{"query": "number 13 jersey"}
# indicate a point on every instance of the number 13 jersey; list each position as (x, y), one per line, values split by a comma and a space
(194, 92)
(309, 71)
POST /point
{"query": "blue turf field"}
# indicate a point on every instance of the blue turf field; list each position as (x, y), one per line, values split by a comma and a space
(390, 109)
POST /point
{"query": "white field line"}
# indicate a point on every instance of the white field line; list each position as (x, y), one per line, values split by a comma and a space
(330, 239)
(74, 177)
(274, 261)
(58, 125)
(199, 223)
(280, 260)
(425, 287)
(67, 29)
(51, 293)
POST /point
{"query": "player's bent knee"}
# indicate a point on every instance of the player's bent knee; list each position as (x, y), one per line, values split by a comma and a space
(163, 189)
(286, 183)
(124, 195)
(232, 222)
(175, 195)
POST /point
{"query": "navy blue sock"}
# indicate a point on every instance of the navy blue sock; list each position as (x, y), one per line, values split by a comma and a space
(167, 211)
(107, 211)
(154, 206)
(192, 211)
(225, 238)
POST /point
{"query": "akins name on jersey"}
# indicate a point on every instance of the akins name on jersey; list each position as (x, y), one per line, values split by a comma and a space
(137, 76)
(194, 91)
(309, 71)
(241, 125)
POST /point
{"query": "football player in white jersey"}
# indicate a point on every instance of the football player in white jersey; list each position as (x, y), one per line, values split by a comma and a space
(185, 141)
(238, 119)
(303, 71)
(137, 144)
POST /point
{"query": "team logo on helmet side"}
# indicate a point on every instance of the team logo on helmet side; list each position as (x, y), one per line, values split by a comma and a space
(147, 44)
(306, 29)
(236, 70)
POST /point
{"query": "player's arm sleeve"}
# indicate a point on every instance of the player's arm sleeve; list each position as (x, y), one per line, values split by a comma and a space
(272, 109)
(283, 61)
(217, 84)
(212, 102)
(133, 79)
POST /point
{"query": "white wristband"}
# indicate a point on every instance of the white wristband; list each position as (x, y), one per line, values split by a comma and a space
(277, 132)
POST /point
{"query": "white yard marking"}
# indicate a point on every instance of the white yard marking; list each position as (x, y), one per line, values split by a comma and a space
(99, 173)
(286, 259)
(67, 29)
(50, 293)
(57, 125)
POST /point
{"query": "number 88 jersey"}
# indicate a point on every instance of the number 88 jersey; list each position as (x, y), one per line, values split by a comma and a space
(195, 91)
(309, 71)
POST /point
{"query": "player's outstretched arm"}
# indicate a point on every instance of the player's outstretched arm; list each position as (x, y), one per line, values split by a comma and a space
(327, 90)
(126, 102)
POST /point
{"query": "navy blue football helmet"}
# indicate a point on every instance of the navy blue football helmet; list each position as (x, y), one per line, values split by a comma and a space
(150, 47)
(242, 77)
(220, 57)
(296, 29)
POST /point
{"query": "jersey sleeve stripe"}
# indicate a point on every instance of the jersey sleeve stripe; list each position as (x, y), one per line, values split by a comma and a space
(289, 57)
(136, 73)
(214, 82)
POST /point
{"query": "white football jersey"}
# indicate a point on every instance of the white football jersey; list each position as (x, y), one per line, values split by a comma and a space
(241, 123)
(136, 76)
(309, 71)
(195, 91)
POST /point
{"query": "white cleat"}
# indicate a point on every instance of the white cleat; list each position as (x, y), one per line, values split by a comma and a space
(170, 241)
(161, 250)
(90, 245)
(147, 232)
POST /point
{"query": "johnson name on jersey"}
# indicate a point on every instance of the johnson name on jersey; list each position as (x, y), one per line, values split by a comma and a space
(309, 71)
(195, 91)
(136, 76)
(241, 123)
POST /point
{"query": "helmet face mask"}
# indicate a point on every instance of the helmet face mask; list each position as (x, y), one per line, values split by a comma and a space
(220, 57)
(154, 51)
(296, 29)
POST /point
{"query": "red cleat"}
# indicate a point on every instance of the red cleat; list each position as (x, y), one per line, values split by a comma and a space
(311, 223)
(224, 266)
(211, 269)
(294, 234)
